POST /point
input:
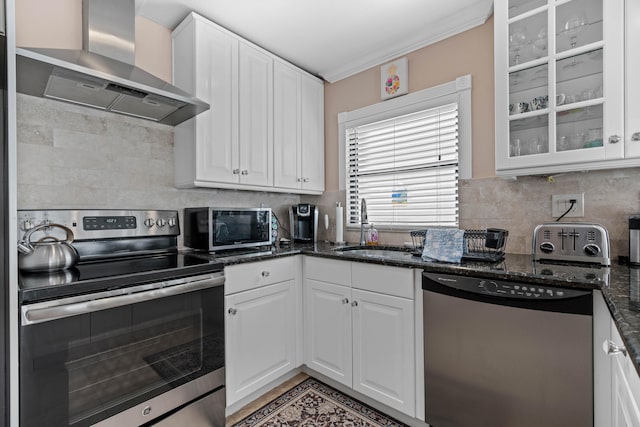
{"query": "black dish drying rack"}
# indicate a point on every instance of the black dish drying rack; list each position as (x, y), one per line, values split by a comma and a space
(479, 245)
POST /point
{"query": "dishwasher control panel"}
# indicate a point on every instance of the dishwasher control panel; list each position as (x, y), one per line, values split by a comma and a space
(521, 290)
(505, 289)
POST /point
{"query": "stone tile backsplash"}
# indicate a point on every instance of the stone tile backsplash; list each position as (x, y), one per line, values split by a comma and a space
(518, 206)
(74, 157)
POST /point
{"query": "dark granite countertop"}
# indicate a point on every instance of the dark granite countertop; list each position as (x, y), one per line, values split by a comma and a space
(620, 285)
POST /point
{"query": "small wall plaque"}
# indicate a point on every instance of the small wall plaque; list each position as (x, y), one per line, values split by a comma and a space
(394, 79)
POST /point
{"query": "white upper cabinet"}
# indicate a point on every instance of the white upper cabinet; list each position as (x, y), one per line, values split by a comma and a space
(298, 130)
(632, 90)
(256, 117)
(559, 86)
(232, 144)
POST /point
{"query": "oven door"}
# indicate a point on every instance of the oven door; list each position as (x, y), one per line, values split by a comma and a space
(137, 352)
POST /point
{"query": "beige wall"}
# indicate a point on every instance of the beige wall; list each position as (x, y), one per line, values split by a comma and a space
(58, 24)
(468, 53)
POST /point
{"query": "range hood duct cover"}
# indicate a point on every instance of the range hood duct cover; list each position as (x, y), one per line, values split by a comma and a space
(102, 75)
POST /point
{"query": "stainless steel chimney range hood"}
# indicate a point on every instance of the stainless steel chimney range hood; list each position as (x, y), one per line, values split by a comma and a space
(102, 75)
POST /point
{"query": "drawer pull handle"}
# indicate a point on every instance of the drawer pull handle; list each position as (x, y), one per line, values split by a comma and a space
(345, 300)
(610, 348)
(233, 311)
(265, 274)
(614, 139)
(635, 136)
(354, 304)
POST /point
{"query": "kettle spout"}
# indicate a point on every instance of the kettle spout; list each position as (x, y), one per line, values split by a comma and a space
(24, 247)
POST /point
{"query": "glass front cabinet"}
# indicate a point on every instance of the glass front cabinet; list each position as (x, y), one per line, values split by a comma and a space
(560, 86)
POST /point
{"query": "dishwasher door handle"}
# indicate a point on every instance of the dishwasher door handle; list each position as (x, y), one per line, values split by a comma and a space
(89, 303)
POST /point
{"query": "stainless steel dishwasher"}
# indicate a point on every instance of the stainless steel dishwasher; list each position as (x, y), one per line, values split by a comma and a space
(500, 353)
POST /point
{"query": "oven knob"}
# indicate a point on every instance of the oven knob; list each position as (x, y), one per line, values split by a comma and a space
(547, 247)
(149, 222)
(591, 250)
(171, 222)
(161, 222)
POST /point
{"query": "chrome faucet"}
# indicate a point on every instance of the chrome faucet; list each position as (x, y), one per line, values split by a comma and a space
(363, 221)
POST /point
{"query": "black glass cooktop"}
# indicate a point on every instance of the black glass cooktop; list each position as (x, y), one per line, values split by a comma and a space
(94, 276)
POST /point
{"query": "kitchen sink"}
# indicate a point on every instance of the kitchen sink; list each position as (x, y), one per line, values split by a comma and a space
(372, 252)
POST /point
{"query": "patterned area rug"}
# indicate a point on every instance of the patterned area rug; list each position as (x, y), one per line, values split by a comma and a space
(314, 404)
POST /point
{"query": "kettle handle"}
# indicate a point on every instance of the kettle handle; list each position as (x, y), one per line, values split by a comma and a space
(27, 236)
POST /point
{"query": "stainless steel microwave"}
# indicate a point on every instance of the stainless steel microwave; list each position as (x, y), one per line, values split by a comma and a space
(215, 229)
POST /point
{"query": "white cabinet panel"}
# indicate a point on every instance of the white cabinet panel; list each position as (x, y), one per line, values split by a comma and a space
(363, 339)
(632, 78)
(328, 270)
(243, 277)
(327, 335)
(298, 130)
(287, 126)
(383, 349)
(232, 144)
(312, 140)
(260, 338)
(559, 86)
(256, 116)
(625, 387)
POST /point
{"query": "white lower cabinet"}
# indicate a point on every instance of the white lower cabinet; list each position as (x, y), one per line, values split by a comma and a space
(616, 380)
(362, 338)
(327, 332)
(260, 327)
(625, 387)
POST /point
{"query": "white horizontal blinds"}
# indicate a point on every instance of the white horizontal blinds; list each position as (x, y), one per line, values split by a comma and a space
(406, 168)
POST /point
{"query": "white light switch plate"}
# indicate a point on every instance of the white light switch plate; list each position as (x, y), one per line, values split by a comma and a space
(561, 202)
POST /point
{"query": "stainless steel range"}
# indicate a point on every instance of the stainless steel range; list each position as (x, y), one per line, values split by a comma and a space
(131, 334)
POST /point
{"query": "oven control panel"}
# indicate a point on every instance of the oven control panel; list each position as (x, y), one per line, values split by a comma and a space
(90, 224)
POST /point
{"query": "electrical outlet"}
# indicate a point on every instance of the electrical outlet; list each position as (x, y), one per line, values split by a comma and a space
(561, 202)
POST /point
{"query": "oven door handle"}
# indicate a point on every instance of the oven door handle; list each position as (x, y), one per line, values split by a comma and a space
(74, 306)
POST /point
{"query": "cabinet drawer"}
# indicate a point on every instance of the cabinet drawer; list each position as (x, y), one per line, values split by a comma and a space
(253, 275)
(395, 281)
(328, 270)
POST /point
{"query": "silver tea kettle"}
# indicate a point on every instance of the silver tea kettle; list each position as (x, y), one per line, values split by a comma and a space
(47, 254)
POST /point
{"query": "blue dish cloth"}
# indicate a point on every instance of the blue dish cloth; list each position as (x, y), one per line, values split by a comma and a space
(443, 245)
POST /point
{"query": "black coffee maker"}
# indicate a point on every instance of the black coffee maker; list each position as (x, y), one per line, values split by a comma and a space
(303, 220)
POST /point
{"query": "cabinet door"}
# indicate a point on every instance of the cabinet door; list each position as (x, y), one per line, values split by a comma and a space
(256, 117)
(625, 387)
(286, 126)
(632, 88)
(559, 85)
(206, 64)
(260, 337)
(383, 349)
(327, 330)
(312, 140)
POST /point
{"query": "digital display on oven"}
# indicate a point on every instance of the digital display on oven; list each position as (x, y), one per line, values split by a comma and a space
(108, 222)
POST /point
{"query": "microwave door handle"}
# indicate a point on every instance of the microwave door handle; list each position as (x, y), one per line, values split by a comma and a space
(37, 313)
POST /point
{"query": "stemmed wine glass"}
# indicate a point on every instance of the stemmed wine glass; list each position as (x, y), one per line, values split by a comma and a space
(572, 27)
(517, 39)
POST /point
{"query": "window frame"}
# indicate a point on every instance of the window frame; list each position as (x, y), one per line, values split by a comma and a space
(458, 91)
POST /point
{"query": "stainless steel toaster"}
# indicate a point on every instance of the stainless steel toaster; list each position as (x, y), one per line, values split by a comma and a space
(579, 242)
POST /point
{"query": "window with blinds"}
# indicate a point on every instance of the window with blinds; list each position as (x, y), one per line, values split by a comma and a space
(406, 168)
